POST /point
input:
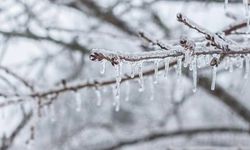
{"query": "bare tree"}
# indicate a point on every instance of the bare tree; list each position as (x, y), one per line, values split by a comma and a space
(62, 76)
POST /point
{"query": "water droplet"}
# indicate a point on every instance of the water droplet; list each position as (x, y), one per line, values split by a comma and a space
(141, 80)
(214, 74)
(166, 66)
(103, 69)
(179, 66)
(98, 96)
(194, 66)
(246, 67)
(152, 91)
(127, 91)
(156, 66)
(78, 101)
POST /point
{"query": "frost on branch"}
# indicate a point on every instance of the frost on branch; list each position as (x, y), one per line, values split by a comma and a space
(192, 53)
(211, 50)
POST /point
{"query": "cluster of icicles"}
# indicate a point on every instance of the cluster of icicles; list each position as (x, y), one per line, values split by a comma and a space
(193, 63)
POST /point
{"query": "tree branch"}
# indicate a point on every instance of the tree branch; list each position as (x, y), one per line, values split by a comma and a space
(171, 134)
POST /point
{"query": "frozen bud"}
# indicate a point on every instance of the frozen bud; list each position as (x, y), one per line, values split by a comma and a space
(214, 62)
(179, 17)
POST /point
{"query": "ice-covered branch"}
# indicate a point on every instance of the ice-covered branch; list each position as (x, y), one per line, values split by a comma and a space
(215, 39)
(115, 58)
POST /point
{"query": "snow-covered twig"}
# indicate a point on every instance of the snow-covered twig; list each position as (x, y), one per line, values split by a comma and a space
(115, 58)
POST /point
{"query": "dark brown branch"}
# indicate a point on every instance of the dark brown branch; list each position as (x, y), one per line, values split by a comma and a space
(29, 35)
(142, 35)
(172, 134)
(106, 16)
(227, 98)
(7, 142)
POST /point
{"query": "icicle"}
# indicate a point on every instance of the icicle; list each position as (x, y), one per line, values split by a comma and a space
(227, 62)
(200, 61)
(214, 78)
(118, 83)
(179, 66)
(246, 66)
(127, 91)
(78, 101)
(152, 89)
(231, 66)
(187, 58)
(118, 90)
(52, 113)
(117, 103)
(132, 68)
(225, 5)
(245, 2)
(241, 62)
(98, 96)
(117, 107)
(116, 94)
(156, 66)
(118, 78)
(103, 69)
(208, 59)
(141, 80)
(166, 66)
(194, 66)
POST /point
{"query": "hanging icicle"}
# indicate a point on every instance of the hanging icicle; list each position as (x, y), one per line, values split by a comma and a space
(187, 57)
(225, 5)
(245, 3)
(116, 95)
(78, 101)
(227, 62)
(52, 113)
(241, 62)
(127, 85)
(167, 60)
(194, 67)
(179, 66)
(141, 80)
(117, 104)
(118, 78)
(103, 69)
(152, 91)
(156, 66)
(246, 67)
(132, 69)
(207, 59)
(231, 65)
(200, 61)
(98, 96)
(214, 74)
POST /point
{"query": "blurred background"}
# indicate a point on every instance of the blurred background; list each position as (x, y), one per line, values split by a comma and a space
(49, 41)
